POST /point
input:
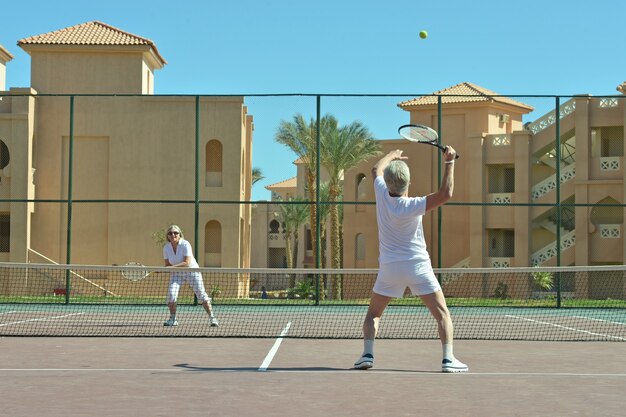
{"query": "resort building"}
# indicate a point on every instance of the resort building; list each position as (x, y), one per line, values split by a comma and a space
(109, 165)
(93, 165)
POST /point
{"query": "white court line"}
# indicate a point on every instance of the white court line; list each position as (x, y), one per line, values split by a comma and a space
(347, 371)
(605, 321)
(274, 349)
(40, 319)
(8, 312)
(566, 328)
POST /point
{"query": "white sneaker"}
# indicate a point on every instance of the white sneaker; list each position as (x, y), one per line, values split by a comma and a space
(453, 366)
(365, 362)
(170, 322)
(213, 322)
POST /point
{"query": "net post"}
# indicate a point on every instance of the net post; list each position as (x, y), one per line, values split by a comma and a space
(558, 289)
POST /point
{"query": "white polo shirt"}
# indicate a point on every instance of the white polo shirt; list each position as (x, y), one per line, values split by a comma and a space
(400, 233)
(183, 249)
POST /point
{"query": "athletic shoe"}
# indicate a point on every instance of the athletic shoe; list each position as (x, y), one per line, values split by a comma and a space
(214, 323)
(170, 322)
(366, 362)
(453, 366)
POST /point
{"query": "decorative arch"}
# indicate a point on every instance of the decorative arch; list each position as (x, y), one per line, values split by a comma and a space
(606, 212)
(360, 191)
(214, 163)
(213, 243)
(359, 247)
(4, 155)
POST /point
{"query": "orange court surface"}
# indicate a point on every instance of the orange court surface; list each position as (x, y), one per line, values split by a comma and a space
(63, 376)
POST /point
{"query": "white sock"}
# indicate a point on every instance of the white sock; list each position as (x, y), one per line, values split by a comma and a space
(368, 346)
(173, 316)
(447, 351)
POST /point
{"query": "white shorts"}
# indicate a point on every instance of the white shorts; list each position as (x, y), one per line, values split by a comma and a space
(194, 279)
(394, 277)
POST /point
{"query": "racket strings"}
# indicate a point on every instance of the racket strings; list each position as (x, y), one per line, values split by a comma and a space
(419, 134)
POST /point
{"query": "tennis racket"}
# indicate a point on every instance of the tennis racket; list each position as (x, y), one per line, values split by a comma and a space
(421, 134)
(135, 272)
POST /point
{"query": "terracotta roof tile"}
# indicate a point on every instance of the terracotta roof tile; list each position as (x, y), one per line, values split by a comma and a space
(463, 93)
(289, 183)
(5, 55)
(90, 33)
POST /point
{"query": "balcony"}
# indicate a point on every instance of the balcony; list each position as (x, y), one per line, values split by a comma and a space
(499, 262)
(276, 240)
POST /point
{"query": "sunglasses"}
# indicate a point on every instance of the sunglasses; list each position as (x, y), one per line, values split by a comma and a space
(173, 233)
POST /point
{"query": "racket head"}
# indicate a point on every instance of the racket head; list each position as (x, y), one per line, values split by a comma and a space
(135, 273)
(418, 133)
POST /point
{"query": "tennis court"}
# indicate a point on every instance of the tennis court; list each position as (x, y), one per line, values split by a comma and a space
(232, 376)
(101, 347)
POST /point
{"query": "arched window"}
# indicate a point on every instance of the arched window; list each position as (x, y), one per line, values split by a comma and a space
(360, 191)
(359, 247)
(4, 159)
(603, 214)
(274, 226)
(4, 155)
(214, 163)
(213, 243)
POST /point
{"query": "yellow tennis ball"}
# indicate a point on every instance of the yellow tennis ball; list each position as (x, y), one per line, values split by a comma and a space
(423, 34)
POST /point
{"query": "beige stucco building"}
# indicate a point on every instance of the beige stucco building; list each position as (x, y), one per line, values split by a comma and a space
(125, 144)
(504, 162)
(504, 210)
(134, 170)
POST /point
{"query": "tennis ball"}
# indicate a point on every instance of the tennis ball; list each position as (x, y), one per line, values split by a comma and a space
(423, 34)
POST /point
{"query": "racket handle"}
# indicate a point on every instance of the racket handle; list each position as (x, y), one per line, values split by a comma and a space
(443, 149)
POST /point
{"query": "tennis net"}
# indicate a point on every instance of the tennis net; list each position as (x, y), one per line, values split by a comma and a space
(551, 304)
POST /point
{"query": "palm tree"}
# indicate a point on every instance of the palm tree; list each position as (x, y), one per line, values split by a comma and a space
(323, 209)
(341, 150)
(301, 138)
(257, 175)
(294, 214)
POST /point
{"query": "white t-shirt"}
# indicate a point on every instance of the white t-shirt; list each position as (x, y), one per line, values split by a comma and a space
(182, 250)
(400, 233)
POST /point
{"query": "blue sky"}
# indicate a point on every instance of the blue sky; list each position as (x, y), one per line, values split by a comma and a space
(352, 47)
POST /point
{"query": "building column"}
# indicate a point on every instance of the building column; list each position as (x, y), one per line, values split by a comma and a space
(581, 192)
(475, 159)
(523, 186)
(21, 171)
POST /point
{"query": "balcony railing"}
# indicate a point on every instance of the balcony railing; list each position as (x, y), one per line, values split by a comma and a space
(548, 252)
(500, 262)
(501, 198)
(610, 231)
(610, 163)
(549, 119)
(549, 184)
(500, 140)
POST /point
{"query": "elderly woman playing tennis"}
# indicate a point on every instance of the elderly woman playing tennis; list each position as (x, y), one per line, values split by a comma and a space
(177, 253)
(403, 258)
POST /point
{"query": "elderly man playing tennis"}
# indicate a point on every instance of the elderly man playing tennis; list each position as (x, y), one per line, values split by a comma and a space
(403, 258)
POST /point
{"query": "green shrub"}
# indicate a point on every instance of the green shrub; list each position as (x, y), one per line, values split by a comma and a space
(502, 291)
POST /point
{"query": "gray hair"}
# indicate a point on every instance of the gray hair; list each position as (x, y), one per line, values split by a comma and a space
(397, 177)
(173, 228)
